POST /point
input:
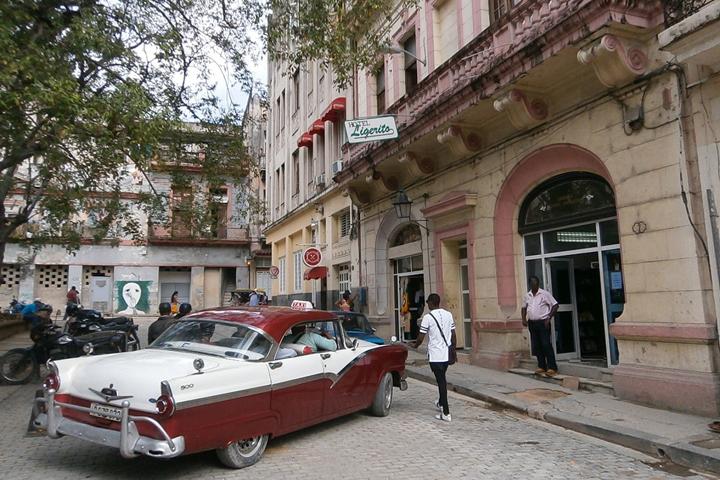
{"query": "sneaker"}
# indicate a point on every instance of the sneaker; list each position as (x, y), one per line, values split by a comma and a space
(438, 406)
(551, 373)
(445, 418)
(540, 371)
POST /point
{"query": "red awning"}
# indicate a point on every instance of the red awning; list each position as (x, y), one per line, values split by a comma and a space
(305, 140)
(315, 273)
(334, 110)
(317, 128)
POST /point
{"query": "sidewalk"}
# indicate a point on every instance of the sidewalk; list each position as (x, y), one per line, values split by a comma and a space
(683, 439)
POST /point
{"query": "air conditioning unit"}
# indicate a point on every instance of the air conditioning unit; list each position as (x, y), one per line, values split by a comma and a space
(336, 167)
(320, 182)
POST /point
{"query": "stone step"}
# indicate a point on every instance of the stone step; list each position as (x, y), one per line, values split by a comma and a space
(587, 384)
(575, 369)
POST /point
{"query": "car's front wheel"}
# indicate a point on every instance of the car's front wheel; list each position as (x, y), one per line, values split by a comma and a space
(243, 453)
(383, 397)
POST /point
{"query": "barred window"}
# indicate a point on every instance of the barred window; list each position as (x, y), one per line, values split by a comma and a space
(343, 277)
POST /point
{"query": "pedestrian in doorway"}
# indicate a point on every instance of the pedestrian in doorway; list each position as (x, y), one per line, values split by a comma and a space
(346, 302)
(254, 298)
(439, 326)
(73, 296)
(539, 307)
(73, 300)
(174, 303)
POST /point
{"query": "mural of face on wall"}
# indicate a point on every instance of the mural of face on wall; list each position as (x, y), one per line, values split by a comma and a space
(133, 297)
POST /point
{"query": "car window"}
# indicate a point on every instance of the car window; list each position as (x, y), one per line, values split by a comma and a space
(215, 338)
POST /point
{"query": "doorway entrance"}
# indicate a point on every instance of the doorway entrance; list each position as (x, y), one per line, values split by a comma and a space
(409, 296)
(578, 261)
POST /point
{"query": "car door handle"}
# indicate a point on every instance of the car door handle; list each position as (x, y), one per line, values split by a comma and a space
(325, 356)
(274, 365)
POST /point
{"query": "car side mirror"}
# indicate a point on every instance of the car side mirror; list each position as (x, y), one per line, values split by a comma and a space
(373, 329)
(355, 343)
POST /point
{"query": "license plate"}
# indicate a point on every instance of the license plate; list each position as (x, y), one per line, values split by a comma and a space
(107, 412)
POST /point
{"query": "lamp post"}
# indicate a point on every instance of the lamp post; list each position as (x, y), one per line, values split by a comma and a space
(403, 205)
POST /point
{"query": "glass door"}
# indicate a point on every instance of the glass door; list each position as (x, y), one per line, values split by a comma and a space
(561, 283)
(614, 293)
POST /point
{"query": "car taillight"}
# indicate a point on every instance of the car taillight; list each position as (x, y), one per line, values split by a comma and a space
(52, 382)
(165, 405)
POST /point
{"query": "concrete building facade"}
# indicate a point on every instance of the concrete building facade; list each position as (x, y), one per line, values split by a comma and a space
(561, 139)
(305, 208)
(131, 277)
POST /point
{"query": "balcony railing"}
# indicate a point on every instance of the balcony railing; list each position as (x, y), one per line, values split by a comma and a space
(678, 10)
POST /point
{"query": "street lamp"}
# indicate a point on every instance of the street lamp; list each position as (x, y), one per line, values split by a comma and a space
(402, 205)
(392, 49)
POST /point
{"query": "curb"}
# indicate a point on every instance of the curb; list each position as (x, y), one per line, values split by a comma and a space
(680, 453)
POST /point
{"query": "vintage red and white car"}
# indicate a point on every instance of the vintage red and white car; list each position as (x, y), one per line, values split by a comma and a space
(225, 380)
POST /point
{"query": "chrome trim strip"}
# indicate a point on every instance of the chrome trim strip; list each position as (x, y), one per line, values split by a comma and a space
(338, 376)
(198, 402)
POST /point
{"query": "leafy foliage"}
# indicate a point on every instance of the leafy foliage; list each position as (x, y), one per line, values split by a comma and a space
(93, 90)
(344, 35)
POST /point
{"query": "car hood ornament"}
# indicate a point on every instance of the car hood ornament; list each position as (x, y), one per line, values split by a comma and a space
(109, 394)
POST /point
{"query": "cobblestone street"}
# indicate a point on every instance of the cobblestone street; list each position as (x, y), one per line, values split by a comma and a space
(410, 443)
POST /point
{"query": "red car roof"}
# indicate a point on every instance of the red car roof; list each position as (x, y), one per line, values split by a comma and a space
(275, 321)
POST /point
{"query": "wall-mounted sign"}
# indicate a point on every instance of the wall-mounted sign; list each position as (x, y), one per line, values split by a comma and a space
(371, 129)
(312, 257)
(274, 272)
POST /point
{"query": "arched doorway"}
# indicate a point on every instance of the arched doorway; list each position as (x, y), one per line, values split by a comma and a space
(571, 243)
(405, 254)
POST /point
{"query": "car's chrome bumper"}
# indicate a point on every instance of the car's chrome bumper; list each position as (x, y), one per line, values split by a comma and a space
(127, 440)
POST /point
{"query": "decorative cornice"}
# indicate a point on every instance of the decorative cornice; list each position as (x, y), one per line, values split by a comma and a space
(523, 110)
(416, 166)
(451, 203)
(615, 61)
(460, 143)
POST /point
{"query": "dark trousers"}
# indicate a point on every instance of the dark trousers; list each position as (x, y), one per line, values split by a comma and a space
(439, 369)
(542, 344)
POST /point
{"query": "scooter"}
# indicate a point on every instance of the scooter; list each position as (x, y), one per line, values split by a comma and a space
(19, 365)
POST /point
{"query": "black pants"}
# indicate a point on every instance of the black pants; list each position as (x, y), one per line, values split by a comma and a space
(542, 344)
(439, 369)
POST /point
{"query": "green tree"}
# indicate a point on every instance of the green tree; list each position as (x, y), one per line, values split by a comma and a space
(92, 88)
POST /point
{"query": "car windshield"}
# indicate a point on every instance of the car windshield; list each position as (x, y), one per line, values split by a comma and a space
(356, 323)
(210, 337)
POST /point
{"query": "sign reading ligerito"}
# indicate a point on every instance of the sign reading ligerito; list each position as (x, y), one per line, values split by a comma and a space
(371, 129)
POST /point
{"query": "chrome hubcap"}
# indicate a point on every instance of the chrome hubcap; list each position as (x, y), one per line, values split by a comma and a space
(247, 446)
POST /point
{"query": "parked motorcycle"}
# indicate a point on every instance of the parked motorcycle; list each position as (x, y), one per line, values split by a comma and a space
(16, 306)
(83, 321)
(19, 365)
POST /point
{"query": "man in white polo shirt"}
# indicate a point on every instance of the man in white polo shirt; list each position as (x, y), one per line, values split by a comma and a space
(440, 329)
(538, 308)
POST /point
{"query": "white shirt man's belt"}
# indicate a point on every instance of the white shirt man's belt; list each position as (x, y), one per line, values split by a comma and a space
(539, 305)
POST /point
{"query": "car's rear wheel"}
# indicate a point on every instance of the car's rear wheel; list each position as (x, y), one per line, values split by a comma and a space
(243, 453)
(383, 397)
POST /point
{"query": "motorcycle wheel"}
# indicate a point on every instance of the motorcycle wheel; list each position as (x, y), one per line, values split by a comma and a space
(17, 366)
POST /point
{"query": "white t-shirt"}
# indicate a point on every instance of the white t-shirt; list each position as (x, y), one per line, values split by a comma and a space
(437, 347)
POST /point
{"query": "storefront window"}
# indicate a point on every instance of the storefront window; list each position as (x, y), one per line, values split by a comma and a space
(573, 238)
(532, 244)
(567, 199)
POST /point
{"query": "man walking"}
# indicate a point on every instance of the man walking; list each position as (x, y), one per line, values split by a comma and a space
(538, 308)
(439, 326)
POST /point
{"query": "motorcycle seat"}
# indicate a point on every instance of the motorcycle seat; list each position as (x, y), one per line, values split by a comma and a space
(116, 320)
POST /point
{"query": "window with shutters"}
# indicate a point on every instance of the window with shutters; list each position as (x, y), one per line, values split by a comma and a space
(343, 277)
(298, 267)
(411, 71)
(343, 224)
(281, 275)
(380, 89)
